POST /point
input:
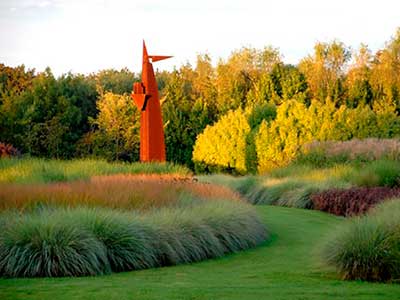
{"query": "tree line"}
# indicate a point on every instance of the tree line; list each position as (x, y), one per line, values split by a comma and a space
(77, 115)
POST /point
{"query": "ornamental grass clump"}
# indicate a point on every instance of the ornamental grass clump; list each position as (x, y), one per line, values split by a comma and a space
(126, 239)
(368, 247)
(43, 244)
(80, 241)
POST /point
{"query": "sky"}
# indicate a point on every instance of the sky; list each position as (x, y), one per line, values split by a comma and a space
(87, 36)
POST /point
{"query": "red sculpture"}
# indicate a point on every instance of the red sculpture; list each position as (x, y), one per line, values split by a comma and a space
(145, 95)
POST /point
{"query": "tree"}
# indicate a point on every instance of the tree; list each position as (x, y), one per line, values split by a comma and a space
(185, 116)
(359, 90)
(117, 82)
(117, 129)
(385, 73)
(240, 73)
(324, 71)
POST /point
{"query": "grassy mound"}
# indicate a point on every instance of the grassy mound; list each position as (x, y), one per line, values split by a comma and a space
(78, 241)
(367, 248)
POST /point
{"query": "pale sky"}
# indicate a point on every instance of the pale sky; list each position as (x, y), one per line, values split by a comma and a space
(87, 36)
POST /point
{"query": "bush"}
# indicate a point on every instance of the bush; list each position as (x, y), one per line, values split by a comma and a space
(297, 124)
(7, 150)
(228, 145)
(367, 248)
(222, 147)
(89, 241)
(353, 201)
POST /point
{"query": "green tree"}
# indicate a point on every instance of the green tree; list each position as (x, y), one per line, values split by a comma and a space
(117, 126)
(236, 77)
(117, 82)
(185, 117)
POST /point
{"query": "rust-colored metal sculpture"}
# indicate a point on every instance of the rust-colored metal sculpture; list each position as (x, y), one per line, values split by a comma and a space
(145, 95)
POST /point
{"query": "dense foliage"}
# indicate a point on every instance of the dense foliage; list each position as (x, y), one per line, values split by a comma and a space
(332, 94)
(296, 124)
(353, 201)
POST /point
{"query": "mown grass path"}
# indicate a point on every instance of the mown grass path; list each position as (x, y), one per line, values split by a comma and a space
(285, 268)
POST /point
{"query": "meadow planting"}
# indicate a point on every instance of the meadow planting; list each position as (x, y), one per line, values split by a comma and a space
(327, 176)
(35, 170)
(102, 224)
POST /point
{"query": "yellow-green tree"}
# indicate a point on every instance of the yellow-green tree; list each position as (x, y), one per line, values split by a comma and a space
(278, 143)
(117, 129)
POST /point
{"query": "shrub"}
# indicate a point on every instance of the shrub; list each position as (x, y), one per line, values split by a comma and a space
(7, 150)
(367, 248)
(297, 124)
(228, 145)
(353, 201)
(222, 147)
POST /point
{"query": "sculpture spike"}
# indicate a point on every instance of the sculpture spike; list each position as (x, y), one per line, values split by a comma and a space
(145, 55)
(145, 96)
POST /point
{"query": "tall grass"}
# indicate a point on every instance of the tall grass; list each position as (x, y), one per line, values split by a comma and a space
(367, 248)
(328, 153)
(376, 173)
(35, 170)
(45, 245)
(89, 241)
(140, 192)
(291, 191)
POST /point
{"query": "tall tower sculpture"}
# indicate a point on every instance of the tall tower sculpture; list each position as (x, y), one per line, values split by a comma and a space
(145, 96)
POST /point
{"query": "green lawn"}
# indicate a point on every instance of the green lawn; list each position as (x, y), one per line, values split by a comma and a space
(283, 269)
